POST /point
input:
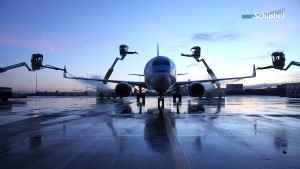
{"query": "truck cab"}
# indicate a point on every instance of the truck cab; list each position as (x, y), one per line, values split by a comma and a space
(5, 93)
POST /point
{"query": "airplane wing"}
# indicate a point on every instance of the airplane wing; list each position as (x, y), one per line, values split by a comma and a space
(133, 83)
(214, 80)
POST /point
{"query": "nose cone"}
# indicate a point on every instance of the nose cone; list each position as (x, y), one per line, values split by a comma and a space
(161, 83)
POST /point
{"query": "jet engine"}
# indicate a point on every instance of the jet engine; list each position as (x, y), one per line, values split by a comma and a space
(196, 89)
(123, 89)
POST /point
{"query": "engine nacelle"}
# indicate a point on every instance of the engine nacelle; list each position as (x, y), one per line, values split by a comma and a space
(123, 89)
(196, 89)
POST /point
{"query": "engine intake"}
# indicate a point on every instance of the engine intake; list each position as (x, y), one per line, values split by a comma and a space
(196, 89)
(123, 89)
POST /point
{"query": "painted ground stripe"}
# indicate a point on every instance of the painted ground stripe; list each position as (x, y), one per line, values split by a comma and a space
(178, 156)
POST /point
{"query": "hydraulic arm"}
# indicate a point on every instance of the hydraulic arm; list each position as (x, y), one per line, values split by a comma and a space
(4, 69)
(278, 61)
(292, 63)
(36, 64)
(196, 52)
(123, 52)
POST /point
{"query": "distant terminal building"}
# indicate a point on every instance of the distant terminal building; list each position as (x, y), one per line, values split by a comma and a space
(292, 89)
(234, 89)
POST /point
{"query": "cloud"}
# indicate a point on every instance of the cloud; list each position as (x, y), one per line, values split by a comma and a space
(25, 43)
(48, 45)
(278, 46)
(84, 43)
(215, 36)
(18, 42)
(199, 64)
(193, 65)
(257, 57)
(96, 84)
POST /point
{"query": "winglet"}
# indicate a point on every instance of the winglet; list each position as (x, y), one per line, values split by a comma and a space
(157, 49)
(254, 71)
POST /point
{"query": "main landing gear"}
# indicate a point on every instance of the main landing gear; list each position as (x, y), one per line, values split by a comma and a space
(161, 99)
(177, 94)
(140, 95)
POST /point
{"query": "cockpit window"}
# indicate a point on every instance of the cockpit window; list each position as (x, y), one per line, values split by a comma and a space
(156, 63)
(165, 63)
(161, 63)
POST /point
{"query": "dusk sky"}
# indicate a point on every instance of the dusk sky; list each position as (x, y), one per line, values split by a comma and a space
(85, 36)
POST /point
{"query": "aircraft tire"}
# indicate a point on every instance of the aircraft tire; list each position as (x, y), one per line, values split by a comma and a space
(4, 99)
(158, 102)
(138, 98)
(143, 98)
(179, 97)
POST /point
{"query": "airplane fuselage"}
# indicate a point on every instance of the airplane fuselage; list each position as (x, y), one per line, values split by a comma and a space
(160, 74)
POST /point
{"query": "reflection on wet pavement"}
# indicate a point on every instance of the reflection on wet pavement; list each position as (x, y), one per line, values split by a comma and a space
(85, 132)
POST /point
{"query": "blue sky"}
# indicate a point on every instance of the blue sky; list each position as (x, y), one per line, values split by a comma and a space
(85, 36)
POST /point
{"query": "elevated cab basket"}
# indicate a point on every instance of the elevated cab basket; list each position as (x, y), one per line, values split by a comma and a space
(196, 51)
(278, 59)
(37, 61)
(123, 50)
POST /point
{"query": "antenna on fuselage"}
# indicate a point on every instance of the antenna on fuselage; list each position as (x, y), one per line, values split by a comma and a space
(157, 49)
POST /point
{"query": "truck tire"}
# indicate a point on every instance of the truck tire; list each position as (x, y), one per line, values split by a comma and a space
(4, 99)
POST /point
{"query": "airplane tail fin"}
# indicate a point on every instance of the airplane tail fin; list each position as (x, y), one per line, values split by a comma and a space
(157, 49)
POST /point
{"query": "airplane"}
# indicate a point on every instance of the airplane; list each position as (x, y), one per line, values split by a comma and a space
(160, 76)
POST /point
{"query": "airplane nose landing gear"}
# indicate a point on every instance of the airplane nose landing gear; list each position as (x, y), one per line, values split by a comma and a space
(162, 100)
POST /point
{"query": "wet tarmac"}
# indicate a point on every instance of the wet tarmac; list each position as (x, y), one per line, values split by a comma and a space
(85, 132)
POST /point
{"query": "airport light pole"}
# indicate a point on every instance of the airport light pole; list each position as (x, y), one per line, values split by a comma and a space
(36, 82)
(87, 84)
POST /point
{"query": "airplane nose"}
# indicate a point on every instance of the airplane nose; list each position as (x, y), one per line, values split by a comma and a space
(162, 83)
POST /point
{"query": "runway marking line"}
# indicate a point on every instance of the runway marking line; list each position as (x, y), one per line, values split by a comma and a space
(178, 156)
